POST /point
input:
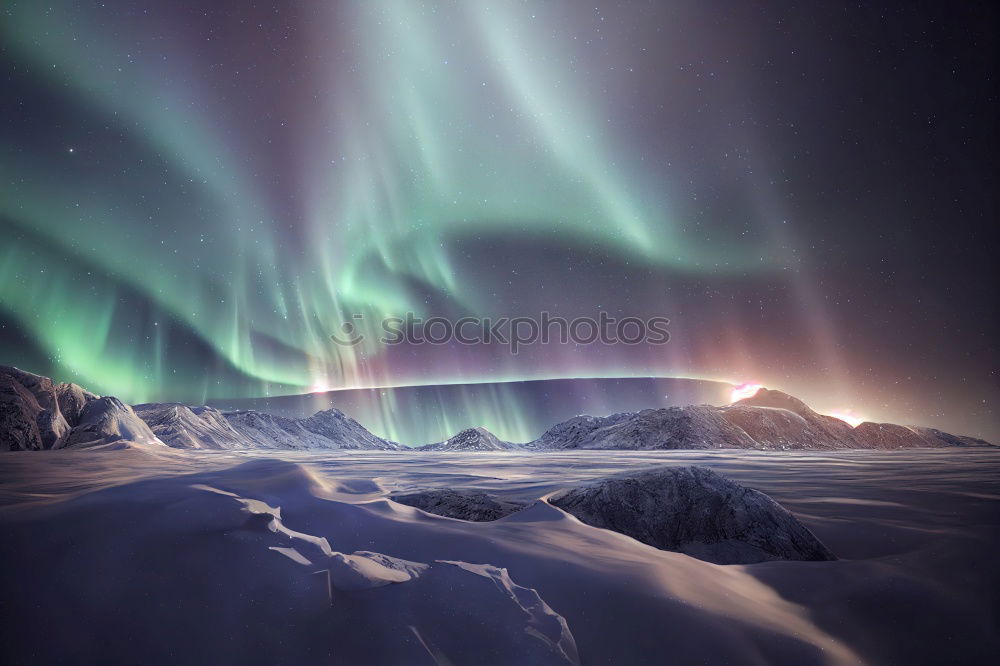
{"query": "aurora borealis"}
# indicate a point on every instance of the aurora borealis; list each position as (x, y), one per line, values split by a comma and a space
(194, 196)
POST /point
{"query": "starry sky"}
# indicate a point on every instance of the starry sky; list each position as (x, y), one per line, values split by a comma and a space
(194, 196)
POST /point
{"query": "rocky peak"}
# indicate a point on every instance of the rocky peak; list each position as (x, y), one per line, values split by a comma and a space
(778, 400)
(472, 439)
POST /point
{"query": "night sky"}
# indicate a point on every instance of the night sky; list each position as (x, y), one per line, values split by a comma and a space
(194, 195)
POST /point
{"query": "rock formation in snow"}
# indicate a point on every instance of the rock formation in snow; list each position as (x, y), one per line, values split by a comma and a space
(471, 505)
(29, 412)
(696, 511)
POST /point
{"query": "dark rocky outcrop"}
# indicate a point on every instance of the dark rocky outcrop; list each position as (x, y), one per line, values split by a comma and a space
(35, 412)
(72, 399)
(26, 415)
(462, 504)
(696, 511)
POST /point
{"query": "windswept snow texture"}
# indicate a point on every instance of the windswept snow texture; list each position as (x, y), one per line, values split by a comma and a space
(543, 623)
(153, 555)
(695, 511)
(206, 568)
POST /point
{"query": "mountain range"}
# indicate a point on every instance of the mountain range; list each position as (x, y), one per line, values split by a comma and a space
(37, 413)
(768, 420)
(203, 427)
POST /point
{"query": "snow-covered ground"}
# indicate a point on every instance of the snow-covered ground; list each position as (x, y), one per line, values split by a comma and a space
(163, 556)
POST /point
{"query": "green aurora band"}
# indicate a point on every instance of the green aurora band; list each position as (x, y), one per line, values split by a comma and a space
(182, 255)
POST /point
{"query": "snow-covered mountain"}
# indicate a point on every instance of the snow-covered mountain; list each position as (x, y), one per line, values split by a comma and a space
(472, 439)
(183, 427)
(769, 420)
(36, 413)
(329, 429)
(693, 427)
(344, 432)
(108, 420)
(776, 420)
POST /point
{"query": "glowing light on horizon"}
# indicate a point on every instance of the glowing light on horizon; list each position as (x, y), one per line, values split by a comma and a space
(848, 416)
(744, 391)
(320, 387)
